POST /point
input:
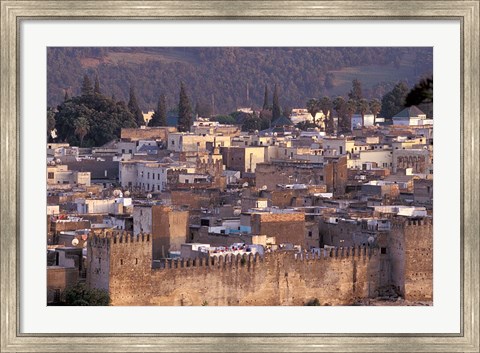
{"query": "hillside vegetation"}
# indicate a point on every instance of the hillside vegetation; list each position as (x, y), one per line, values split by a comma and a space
(227, 78)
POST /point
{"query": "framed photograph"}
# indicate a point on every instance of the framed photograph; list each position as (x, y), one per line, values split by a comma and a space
(164, 234)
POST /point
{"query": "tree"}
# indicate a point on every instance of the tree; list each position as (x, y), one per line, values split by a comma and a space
(159, 117)
(184, 110)
(329, 81)
(50, 122)
(276, 111)
(375, 107)
(313, 108)
(326, 107)
(97, 85)
(87, 89)
(351, 108)
(394, 101)
(81, 128)
(266, 119)
(81, 295)
(265, 98)
(134, 108)
(363, 108)
(287, 111)
(422, 92)
(356, 92)
(66, 97)
(422, 95)
(339, 105)
(105, 120)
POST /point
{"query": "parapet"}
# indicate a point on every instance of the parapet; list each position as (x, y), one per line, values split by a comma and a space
(250, 260)
(118, 237)
(227, 261)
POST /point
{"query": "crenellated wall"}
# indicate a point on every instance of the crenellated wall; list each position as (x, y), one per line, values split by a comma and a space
(335, 277)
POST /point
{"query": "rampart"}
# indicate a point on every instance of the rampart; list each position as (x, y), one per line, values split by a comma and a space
(336, 277)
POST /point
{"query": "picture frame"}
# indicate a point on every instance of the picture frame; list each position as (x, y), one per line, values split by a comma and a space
(13, 12)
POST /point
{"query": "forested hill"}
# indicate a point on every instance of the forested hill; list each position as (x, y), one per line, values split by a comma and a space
(233, 77)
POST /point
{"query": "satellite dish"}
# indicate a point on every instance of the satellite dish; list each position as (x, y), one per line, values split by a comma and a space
(116, 193)
(371, 240)
(244, 185)
(237, 212)
(149, 196)
(342, 136)
(75, 242)
(264, 187)
(127, 193)
(239, 202)
(58, 161)
(317, 129)
(275, 134)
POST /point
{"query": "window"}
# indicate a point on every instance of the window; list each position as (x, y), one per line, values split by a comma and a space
(148, 175)
(153, 176)
(50, 175)
(121, 261)
(383, 251)
(136, 261)
(310, 233)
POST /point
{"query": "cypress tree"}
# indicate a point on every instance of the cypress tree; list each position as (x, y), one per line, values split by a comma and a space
(134, 108)
(97, 85)
(66, 97)
(265, 98)
(276, 110)
(159, 118)
(184, 110)
(87, 89)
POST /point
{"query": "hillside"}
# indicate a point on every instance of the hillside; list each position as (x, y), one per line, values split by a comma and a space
(223, 76)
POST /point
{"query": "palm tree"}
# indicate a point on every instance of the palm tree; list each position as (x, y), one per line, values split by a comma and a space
(81, 128)
(375, 107)
(313, 108)
(363, 108)
(326, 107)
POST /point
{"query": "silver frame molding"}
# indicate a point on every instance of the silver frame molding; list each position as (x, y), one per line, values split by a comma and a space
(12, 13)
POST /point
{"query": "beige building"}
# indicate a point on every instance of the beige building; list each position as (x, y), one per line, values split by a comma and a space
(243, 159)
(188, 142)
(59, 174)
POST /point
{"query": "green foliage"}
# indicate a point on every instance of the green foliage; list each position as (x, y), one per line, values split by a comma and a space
(313, 302)
(329, 81)
(313, 108)
(50, 121)
(422, 92)
(96, 88)
(225, 119)
(394, 101)
(224, 72)
(276, 110)
(265, 98)
(375, 106)
(159, 117)
(81, 295)
(305, 125)
(87, 89)
(355, 93)
(363, 108)
(184, 110)
(326, 106)
(91, 120)
(134, 108)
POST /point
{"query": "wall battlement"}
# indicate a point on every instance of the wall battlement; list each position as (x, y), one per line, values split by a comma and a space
(233, 260)
(117, 238)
